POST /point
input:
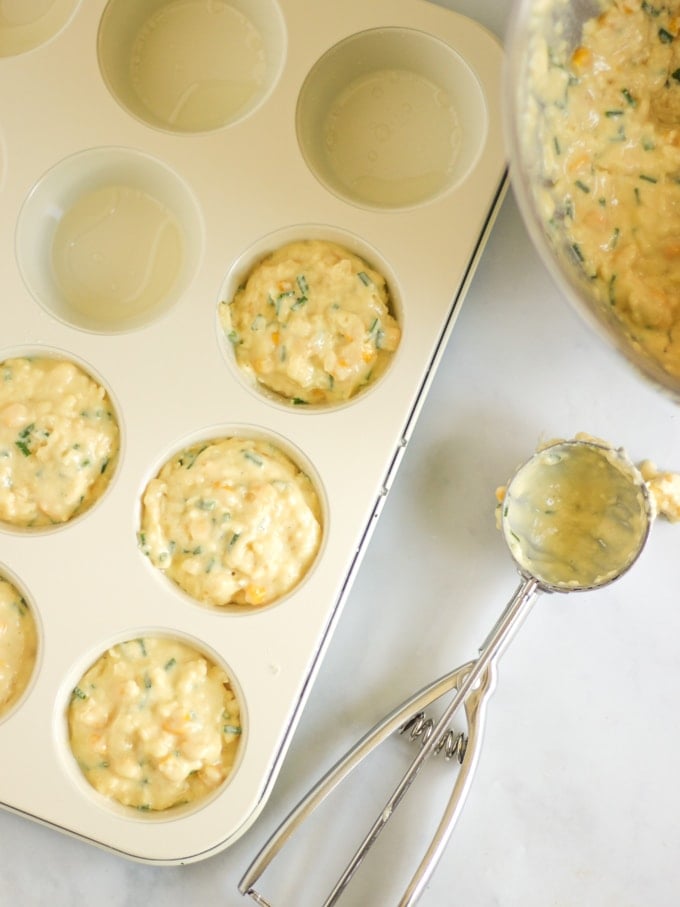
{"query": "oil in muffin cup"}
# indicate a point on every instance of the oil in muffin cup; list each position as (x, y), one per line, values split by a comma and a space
(28, 24)
(187, 66)
(108, 239)
(391, 118)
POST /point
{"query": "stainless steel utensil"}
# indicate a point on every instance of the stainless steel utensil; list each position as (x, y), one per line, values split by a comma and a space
(593, 478)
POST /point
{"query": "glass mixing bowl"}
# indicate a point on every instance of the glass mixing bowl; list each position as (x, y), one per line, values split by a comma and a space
(537, 29)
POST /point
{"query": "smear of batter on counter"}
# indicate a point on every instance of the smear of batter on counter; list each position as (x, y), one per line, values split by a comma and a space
(609, 128)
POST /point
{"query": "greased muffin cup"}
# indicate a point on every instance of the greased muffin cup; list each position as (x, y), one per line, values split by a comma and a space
(150, 195)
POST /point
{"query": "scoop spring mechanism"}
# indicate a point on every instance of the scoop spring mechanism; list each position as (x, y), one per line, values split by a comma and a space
(451, 745)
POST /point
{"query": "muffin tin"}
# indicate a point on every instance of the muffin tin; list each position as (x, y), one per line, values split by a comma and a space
(229, 121)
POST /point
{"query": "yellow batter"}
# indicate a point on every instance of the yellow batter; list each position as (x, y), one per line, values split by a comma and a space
(59, 441)
(231, 521)
(154, 724)
(18, 645)
(312, 323)
(609, 130)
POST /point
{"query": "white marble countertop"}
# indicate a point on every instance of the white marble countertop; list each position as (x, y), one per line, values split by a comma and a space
(575, 800)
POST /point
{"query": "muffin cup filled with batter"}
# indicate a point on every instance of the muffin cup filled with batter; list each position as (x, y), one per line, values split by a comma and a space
(18, 645)
(154, 724)
(313, 323)
(59, 441)
(231, 521)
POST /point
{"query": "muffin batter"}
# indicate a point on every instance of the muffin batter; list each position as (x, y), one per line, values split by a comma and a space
(59, 441)
(154, 724)
(18, 645)
(231, 521)
(609, 128)
(312, 323)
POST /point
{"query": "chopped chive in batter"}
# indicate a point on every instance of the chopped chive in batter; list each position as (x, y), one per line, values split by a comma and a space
(298, 401)
(613, 113)
(253, 457)
(629, 97)
(78, 693)
(612, 295)
(365, 279)
(24, 448)
(647, 178)
(188, 457)
(232, 729)
(302, 283)
(171, 663)
(577, 251)
(665, 36)
(582, 186)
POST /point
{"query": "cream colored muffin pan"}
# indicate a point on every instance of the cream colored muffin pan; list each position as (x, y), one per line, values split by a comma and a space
(215, 131)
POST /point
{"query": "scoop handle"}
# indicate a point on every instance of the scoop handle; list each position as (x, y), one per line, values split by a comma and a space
(514, 613)
(473, 682)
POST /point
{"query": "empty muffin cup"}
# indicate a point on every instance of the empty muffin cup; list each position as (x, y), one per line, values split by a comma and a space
(188, 66)
(27, 24)
(154, 723)
(109, 239)
(232, 521)
(59, 441)
(391, 118)
(18, 645)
